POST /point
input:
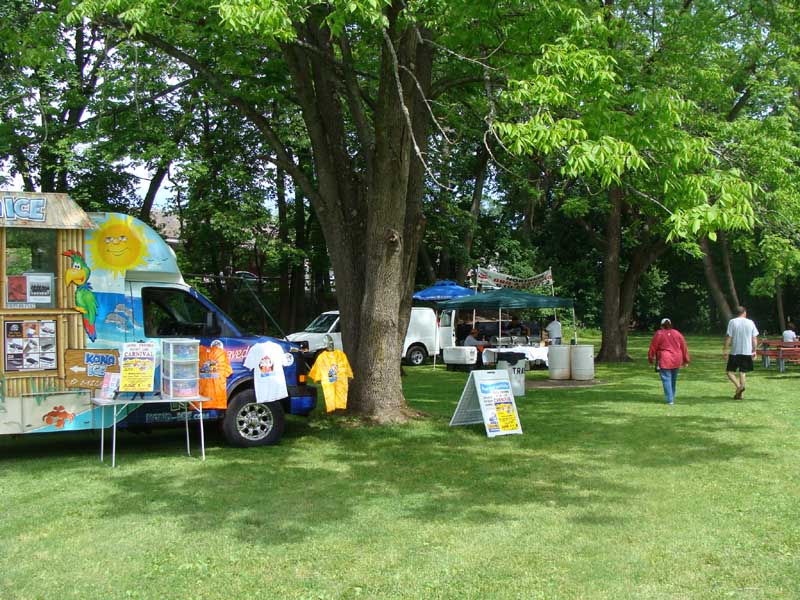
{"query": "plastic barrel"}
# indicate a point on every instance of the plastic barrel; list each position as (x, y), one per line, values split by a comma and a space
(558, 362)
(516, 365)
(582, 363)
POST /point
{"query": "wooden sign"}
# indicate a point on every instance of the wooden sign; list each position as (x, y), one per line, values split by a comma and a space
(86, 368)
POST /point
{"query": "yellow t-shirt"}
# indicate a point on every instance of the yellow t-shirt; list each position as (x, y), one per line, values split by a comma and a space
(214, 371)
(332, 370)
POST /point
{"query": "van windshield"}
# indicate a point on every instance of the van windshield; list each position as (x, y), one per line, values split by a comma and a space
(322, 323)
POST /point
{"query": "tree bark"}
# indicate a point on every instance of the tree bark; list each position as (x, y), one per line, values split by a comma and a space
(481, 165)
(726, 263)
(779, 305)
(612, 347)
(619, 290)
(714, 286)
(283, 235)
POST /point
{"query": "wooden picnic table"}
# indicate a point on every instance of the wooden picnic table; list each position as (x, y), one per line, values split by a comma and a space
(781, 352)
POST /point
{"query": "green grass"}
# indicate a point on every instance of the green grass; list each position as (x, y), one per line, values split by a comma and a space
(608, 494)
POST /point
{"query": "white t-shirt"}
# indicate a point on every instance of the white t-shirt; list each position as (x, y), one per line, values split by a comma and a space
(789, 336)
(553, 329)
(742, 331)
(269, 381)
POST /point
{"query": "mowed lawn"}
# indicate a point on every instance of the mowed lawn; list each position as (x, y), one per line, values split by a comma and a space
(609, 493)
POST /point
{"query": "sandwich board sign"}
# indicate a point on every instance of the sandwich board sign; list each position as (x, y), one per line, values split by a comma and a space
(487, 398)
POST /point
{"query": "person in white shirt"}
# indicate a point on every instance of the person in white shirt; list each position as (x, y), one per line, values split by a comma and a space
(790, 335)
(742, 339)
(553, 330)
(473, 340)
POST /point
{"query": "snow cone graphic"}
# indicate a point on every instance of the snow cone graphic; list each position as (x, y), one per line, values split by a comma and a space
(333, 373)
(265, 366)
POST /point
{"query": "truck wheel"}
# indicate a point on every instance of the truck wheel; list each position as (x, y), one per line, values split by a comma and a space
(248, 424)
(416, 355)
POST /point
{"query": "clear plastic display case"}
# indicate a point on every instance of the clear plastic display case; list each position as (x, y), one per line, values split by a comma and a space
(180, 368)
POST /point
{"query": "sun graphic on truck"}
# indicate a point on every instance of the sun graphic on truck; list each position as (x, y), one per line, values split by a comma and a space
(118, 245)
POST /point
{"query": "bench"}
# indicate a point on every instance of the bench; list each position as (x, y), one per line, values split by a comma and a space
(781, 352)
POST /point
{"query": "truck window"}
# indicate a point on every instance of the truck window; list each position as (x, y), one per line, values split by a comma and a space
(322, 323)
(171, 312)
(31, 268)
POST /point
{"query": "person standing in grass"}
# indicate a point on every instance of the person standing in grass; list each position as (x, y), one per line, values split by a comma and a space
(668, 350)
(742, 339)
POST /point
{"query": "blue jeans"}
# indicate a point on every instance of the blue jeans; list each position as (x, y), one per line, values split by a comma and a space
(669, 377)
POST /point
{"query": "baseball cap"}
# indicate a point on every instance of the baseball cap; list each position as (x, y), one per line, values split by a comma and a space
(665, 320)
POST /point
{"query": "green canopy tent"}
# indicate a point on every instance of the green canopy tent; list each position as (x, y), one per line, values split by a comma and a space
(507, 298)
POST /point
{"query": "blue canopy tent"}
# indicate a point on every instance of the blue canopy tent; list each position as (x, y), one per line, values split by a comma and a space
(442, 290)
(438, 292)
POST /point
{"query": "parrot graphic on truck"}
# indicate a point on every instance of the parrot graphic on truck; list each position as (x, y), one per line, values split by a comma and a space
(85, 301)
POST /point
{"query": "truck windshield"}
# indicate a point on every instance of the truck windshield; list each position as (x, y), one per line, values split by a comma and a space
(322, 323)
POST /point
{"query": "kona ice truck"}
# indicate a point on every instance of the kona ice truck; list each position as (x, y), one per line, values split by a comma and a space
(74, 287)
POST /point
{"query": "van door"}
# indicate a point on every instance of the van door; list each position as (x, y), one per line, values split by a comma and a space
(447, 329)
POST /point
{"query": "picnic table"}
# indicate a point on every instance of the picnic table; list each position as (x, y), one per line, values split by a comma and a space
(781, 352)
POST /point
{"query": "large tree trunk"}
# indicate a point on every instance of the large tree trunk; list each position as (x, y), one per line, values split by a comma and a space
(619, 289)
(370, 213)
(614, 346)
(714, 286)
(368, 182)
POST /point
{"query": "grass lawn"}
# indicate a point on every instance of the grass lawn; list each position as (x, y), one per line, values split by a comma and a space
(608, 494)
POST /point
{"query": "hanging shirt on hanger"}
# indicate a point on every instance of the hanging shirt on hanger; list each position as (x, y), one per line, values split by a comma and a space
(332, 370)
(214, 371)
(266, 361)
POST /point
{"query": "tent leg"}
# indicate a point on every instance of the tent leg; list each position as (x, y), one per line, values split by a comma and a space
(574, 326)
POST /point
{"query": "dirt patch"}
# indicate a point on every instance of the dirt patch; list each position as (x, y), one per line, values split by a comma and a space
(545, 384)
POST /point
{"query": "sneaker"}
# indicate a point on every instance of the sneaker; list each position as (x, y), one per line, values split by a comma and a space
(738, 394)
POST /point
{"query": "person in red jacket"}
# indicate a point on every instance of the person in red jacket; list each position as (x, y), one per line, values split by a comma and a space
(669, 350)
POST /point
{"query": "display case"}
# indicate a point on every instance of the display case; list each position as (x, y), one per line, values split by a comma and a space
(180, 368)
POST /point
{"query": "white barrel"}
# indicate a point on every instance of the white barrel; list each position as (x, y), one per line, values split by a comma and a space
(582, 362)
(558, 362)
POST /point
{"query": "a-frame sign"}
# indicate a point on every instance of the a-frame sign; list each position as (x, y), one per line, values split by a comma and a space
(487, 398)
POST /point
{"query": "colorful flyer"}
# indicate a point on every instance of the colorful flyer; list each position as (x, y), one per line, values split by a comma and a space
(138, 367)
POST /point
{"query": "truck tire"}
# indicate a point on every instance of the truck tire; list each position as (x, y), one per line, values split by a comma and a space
(416, 355)
(248, 424)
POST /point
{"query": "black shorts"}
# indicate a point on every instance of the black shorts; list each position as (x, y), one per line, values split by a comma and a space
(739, 362)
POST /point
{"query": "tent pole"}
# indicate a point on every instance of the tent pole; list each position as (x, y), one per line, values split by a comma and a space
(436, 340)
(574, 326)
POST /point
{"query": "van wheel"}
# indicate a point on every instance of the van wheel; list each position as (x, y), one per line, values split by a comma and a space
(248, 424)
(416, 355)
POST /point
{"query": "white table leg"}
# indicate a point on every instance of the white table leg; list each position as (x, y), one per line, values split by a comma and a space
(202, 434)
(186, 407)
(114, 441)
(102, 431)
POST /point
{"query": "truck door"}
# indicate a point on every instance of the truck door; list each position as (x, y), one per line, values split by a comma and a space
(447, 329)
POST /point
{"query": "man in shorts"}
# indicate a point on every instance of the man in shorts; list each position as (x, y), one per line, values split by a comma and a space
(742, 339)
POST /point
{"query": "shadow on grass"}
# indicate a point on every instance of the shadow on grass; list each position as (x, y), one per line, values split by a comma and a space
(323, 472)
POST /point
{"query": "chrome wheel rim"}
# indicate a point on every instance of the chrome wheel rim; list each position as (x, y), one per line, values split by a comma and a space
(254, 421)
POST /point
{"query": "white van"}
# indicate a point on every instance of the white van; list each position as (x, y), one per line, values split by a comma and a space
(422, 338)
